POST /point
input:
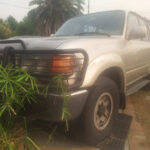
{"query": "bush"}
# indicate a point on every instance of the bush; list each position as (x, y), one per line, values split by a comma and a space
(17, 87)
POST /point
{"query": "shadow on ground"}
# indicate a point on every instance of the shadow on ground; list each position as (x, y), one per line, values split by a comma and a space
(47, 138)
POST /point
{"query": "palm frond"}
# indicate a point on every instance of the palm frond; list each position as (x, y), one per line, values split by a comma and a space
(51, 14)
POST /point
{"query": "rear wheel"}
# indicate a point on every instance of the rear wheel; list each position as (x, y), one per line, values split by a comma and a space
(101, 111)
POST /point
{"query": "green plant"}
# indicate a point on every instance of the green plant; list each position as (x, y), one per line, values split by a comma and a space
(17, 87)
(62, 89)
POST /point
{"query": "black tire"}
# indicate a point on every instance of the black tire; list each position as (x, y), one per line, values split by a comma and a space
(93, 134)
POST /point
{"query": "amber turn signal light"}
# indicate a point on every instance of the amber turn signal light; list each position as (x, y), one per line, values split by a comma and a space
(62, 64)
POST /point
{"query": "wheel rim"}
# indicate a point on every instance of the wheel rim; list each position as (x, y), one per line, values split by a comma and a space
(103, 111)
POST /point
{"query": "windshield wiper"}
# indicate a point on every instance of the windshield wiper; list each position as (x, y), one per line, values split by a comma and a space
(93, 33)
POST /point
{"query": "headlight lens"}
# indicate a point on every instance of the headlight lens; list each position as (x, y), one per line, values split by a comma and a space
(63, 64)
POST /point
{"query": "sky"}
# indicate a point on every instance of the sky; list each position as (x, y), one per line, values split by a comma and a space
(20, 8)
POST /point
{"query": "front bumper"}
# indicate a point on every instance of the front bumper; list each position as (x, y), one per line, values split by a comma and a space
(50, 108)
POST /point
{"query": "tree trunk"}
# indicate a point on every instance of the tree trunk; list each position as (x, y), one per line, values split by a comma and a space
(79, 7)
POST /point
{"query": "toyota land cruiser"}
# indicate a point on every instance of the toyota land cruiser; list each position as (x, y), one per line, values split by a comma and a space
(102, 56)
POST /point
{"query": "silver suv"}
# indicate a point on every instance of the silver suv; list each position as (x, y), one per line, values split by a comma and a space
(102, 56)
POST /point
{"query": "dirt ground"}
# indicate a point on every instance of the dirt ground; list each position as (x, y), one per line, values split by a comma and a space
(141, 105)
(138, 106)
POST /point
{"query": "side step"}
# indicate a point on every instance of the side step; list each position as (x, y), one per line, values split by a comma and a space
(136, 86)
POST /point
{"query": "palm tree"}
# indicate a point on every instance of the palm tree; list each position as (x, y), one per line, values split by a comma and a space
(79, 5)
(50, 14)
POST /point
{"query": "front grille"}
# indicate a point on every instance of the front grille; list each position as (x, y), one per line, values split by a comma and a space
(38, 63)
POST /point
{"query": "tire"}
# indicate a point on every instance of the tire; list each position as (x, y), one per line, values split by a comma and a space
(101, 111)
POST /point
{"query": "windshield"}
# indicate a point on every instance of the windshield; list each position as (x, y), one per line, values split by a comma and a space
(105, 23)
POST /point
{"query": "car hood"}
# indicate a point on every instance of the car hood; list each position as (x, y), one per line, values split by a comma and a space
(93, 45)
(47, 43)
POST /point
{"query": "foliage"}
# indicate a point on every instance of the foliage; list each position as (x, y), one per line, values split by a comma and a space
(5, 30)
(58, 80)
(61, 89)
(16, 139)
(12, 23)
(17, 87)
(51, 14)
(10, 27)
(44, 19)
(26, 27)
(79, 5)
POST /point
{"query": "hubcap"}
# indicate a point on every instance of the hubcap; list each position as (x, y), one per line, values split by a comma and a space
(103, 111)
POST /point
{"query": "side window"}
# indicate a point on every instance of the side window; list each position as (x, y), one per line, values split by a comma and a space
(143, 23)
(132, 23)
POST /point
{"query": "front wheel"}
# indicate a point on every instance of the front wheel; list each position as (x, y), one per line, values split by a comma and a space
(101, 111)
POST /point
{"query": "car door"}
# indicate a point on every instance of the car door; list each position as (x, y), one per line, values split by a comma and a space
(138, 49)
(143, 56)
(131, 51)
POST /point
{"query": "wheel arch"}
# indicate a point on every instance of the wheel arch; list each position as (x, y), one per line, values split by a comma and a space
(116, 74)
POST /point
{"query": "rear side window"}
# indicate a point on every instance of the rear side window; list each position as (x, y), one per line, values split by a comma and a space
(135, 21)
(132, 23)
(143, 23)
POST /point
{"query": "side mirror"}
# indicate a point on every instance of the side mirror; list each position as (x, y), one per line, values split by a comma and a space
(137, 33)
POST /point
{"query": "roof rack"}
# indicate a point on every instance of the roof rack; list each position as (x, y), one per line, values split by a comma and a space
(14, 41)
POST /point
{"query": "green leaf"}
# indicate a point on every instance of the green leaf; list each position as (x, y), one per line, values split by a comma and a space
(28, 139)
(2, 110)
(9, 147)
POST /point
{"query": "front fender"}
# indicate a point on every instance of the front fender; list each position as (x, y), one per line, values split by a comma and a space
(99, 65)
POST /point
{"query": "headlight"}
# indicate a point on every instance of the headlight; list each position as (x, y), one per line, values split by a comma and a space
(62, 64)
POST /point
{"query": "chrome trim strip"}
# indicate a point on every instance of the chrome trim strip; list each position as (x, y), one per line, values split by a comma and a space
(72, 94)
(138, 68)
